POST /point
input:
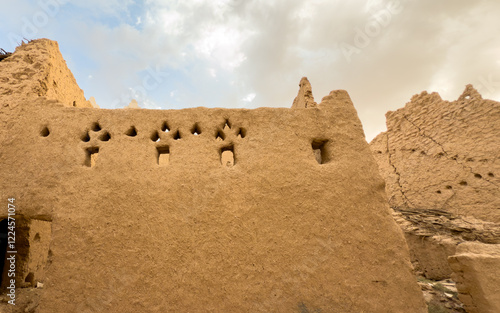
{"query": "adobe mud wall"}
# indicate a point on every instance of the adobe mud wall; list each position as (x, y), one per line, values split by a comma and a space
(146, 215)
(443, 155)
(38, 70)
(476, 269)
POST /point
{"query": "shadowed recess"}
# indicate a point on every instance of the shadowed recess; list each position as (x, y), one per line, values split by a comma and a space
(155, 136)
(105, 136)
(196, 130)
(91, 156)
(45, 132)
(163, 155)
(320, 151)
(227, 158)
(132, 132)
(177, 135)
(85, 137)
(242, 133)
(96, 127)
(165, 128)
(220, 136)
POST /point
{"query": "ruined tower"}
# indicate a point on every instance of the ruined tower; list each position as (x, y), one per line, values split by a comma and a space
(443, 155)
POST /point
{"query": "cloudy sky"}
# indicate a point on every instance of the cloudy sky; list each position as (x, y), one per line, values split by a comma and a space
(171, 54)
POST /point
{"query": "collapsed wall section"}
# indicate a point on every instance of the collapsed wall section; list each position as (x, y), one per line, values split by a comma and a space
(443, 155)
(432, 236)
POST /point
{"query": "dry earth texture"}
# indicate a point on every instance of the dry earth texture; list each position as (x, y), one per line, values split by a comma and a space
(433, 236)
(436, 240)
(441, 155)
(477, 272)
(194, 210)
(441, 162)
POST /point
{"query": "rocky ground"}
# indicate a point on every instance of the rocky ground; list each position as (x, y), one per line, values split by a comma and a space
(440, 296)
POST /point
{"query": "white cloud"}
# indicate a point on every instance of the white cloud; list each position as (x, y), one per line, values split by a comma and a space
(249, 97)
(221, 45)
(172, 22)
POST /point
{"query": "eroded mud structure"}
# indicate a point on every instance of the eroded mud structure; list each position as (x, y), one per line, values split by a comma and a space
(443, 155)
(200, 210)
(441, 164)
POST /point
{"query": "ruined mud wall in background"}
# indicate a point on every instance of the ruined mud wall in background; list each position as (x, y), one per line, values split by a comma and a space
(220, 210)
(441, 163)
(38, 70)
(443, 155)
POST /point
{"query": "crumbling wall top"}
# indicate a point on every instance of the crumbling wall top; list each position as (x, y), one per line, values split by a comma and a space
(37, 70)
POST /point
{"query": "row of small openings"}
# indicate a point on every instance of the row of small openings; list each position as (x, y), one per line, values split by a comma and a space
(241, 132)
(221, 136)
(163, 156)
(103, 136)
(132, 132)
(464, 183)
(156, 136)
(440, 155)
(226, 156)
(196, 130)
(96, 128)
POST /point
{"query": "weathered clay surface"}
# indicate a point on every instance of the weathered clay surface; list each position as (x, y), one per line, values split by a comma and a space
(431, 255)
(476, 269)
(38, 70)
(270, 231)
(305, 97)
(426, 223)
(443, 155)
(433, 235)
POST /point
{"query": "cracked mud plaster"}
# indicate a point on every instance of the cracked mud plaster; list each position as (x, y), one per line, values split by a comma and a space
(399, 186)
(443, 155)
